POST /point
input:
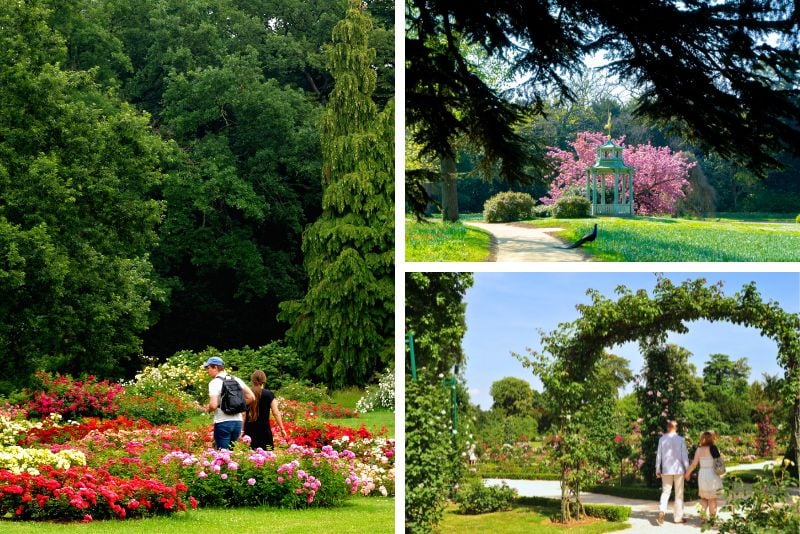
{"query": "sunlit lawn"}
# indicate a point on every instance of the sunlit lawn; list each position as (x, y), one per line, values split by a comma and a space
(657, 239)
(521, 519)
(441, 241)
(356, 515)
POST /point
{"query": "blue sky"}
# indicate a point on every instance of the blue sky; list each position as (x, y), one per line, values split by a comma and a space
(505, 311)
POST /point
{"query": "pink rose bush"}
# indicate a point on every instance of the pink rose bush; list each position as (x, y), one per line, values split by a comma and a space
(660, 176)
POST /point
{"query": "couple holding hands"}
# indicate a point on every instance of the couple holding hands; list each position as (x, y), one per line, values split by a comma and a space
(672, 467)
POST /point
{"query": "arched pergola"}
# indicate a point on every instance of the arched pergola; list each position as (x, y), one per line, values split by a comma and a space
(636, 316)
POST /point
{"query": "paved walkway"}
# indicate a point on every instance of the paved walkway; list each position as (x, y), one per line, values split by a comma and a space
(644, 514)
(520, 242)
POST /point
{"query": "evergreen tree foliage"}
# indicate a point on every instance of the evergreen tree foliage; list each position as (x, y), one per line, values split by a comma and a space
(344, 324)
(78, 217)
(724, 76)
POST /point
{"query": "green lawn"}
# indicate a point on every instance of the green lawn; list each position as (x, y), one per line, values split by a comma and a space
(440, 241)
(666, 239)
(357, 515)
(521, 519)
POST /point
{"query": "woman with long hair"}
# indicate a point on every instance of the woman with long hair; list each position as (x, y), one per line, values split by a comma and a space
(708, 481)
(257, 422)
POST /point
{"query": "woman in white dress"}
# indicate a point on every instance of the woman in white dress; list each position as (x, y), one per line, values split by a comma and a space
(708, 481)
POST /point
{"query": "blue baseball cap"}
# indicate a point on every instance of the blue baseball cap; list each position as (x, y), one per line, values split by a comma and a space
(214, 360)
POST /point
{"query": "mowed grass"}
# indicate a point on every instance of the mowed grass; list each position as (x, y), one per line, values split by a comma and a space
(520, 519)
(374, 421)
(657, 239)
(356, 515)
(444, 241)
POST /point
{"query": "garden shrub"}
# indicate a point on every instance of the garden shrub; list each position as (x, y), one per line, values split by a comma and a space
(571, 207)
(70, 398)
(765, 507)
(508, 206)
(18, 459)
(304, 391)
(83, 493)
(475, 498)
(378, 396)
(609, 512)
(294, 478)
(797, 219)
(159, 408)
(183, 370)
(543, 210)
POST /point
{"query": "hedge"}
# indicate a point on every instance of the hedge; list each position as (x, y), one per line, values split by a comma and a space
(609, 512)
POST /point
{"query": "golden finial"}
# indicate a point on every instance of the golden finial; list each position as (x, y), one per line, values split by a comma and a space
(608, 125)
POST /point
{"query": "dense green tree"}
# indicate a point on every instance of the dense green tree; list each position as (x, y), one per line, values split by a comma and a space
(238, 200)
(344, 325)
(435, 315)
(725, 67)
(725, 384)
(512, 396)
(78, 171)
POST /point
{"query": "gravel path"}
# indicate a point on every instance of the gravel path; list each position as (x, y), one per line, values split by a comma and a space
(520, 242)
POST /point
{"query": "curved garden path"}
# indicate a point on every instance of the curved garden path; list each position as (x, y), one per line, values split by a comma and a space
(520, 242)
(644, 513)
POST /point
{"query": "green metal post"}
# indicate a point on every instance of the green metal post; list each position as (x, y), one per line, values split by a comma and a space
(413, 360)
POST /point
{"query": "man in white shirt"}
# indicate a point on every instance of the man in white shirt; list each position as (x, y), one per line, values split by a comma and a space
(672, 460)
(227, 428)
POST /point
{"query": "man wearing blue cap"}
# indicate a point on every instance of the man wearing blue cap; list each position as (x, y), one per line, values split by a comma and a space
(227, 427)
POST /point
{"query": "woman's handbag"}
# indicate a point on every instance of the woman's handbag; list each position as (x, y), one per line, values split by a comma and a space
(719, 466)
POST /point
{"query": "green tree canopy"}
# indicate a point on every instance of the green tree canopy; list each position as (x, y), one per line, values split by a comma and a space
(78, 215)
(512, 396)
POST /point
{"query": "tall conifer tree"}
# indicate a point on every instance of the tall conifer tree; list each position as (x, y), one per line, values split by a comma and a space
(344, 324)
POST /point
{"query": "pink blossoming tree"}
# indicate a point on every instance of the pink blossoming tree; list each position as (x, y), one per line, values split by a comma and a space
(660, 176)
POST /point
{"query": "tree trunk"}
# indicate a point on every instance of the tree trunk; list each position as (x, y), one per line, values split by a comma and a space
(449, 190)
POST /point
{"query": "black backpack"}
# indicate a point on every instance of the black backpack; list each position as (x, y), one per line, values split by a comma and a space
(231, 398)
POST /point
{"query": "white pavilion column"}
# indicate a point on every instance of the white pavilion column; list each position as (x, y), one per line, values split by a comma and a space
(616, 189)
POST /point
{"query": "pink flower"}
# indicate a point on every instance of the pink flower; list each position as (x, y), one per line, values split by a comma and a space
(224, 476)
(251, 481)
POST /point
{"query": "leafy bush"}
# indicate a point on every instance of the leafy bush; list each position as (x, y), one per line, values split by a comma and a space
(304, 391)
(380, 396)
(183, 370)
(610, 512)
(766, 507)
(543, 210)
(476, 498)
(571, 207)
(159, 408)
(71, 398)
(797, 219)
(508, 206)
(292, 478)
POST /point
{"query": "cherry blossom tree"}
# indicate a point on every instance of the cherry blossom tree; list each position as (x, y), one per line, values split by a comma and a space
(660, 175)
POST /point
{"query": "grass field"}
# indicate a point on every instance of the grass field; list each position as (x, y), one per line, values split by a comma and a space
(440, 241)
(521, 519)
(357, 515)
(655, 239)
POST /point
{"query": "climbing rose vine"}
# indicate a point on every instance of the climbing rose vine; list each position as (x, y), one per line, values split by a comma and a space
(660, 176)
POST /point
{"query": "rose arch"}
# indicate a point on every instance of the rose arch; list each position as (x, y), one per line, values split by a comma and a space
(567, 360)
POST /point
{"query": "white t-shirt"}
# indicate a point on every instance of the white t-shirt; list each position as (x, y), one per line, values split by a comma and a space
(215, 388)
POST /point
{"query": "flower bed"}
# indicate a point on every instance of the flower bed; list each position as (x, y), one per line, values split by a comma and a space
(293, 478)
(83, 493)
(104, 467)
